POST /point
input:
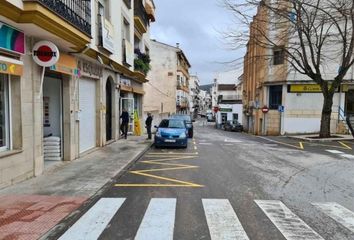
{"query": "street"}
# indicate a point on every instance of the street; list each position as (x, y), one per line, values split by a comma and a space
(227, 185)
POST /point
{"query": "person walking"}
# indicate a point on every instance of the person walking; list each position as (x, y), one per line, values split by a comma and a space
(125, 121)
(148, 123)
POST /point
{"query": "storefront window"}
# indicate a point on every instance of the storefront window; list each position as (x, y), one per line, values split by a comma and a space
(4, 121)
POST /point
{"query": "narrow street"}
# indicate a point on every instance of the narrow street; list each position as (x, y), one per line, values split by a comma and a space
(226, 185)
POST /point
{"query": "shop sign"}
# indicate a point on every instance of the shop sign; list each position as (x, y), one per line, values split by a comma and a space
(107, 35)
(11, 39)
(45, 53)
(11, 68)
(89, 69)
(67, 65)
(225, 109)
(303, 88)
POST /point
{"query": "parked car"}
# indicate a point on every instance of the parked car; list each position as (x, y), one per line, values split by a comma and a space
(171, 132)
(188, 120)
(233, 126)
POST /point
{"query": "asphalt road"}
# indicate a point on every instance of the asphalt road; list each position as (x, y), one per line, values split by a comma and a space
(229, 185)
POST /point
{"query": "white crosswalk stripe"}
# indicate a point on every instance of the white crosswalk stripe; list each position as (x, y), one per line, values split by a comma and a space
(158, 221)
(338, 213)
(222, 220)
(92, 223)
(290, 225)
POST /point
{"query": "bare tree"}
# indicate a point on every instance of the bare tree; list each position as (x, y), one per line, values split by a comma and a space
(316, 36)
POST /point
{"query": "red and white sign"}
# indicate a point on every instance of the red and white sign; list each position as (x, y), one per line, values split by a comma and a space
(265, 109)
(45, 53)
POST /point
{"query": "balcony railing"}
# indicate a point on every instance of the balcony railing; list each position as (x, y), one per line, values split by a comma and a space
(76, 12)
(139, 11)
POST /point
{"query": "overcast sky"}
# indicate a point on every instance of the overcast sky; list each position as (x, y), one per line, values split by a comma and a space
(195, 24)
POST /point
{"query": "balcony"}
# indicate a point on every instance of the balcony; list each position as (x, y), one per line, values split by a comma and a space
(141, 19)
(76, 12)
(150, 9)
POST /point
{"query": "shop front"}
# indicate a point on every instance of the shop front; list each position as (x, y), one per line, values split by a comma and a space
(57, 78)
(131, 99)
(87, 117)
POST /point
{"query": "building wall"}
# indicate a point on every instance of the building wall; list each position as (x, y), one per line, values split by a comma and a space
(160, 92)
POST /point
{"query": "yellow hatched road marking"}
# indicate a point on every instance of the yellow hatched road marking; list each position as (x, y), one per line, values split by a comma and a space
(169, 167)
(333, 146)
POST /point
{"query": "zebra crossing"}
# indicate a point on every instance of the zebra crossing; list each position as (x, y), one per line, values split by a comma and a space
(222, 221)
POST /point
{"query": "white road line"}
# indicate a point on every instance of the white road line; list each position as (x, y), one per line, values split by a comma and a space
(94, 221)
(222, 220)
(335, 151)
(290, 225)
(338, 213)
(204, 143)
(232, 140)
(350, 156)
(158, 221)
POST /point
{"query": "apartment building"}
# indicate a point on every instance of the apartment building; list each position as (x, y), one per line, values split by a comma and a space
(279, 100)
(63, 67)
(167, 91)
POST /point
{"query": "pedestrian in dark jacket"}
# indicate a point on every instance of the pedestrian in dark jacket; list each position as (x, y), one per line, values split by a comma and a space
(148, 123)
(125, 121)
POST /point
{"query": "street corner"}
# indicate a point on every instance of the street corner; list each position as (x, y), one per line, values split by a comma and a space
(31, 216)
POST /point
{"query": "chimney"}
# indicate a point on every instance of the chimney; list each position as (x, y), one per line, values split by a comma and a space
(177, 45)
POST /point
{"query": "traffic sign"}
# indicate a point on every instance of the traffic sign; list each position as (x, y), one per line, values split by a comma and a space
(265, 109)
(281, 108)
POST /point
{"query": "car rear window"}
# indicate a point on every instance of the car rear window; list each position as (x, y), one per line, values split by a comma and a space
(184, 117)
(172, 123)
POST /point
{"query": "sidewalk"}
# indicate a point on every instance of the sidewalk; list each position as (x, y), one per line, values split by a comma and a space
(31, 208)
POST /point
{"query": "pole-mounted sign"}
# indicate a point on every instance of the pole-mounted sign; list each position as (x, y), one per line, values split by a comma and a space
(265, 109)
(45, 53)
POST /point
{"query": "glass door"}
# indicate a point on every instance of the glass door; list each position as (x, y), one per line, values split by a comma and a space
(128, 104)
(4, 113)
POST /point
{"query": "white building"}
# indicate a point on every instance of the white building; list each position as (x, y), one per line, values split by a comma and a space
(228, 98)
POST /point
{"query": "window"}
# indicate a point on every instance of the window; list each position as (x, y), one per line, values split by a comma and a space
(275, 96)
(126, 30)
(4, 113)
(278, 56)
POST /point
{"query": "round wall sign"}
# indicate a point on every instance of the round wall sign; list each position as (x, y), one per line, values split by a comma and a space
(45, 53)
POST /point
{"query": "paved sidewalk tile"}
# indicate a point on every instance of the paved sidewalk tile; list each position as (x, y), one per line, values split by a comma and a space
(30, 216)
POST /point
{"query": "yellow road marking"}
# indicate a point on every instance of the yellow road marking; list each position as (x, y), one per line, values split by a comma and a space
(169, 167)
(332, 146)
(345, 145)
(173, 153)
(301, 146)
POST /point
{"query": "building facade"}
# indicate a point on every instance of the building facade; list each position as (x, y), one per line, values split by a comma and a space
(294, 100)
(167, 85)
(195, 100)
(60, 80)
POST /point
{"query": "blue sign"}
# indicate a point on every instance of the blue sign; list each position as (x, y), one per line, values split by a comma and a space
(281, 108)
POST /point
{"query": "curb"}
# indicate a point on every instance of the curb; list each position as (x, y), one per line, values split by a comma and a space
(69, 220)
